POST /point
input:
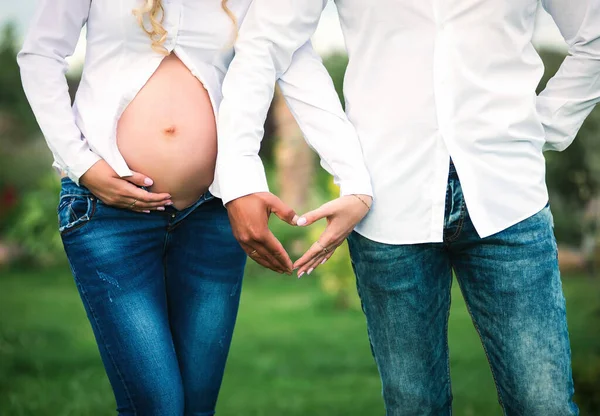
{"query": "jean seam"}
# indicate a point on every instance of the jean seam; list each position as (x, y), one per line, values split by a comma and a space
(487, 356)
(447, 203)
(83, 220)
(110, 355)
(447, 344)
(203, 199)
(362, 306)
(461, 222)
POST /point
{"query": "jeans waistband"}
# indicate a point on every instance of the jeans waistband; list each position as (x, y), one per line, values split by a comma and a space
(71, 188)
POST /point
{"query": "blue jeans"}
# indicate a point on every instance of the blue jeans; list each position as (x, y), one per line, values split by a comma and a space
(511, 284)
(161, 291)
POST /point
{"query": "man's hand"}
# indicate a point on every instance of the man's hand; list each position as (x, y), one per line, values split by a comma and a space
(249, 217)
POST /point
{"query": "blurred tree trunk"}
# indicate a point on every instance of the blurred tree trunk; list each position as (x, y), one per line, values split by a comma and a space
(294, 160)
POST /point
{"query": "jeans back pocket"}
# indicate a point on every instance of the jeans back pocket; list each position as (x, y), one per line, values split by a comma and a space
(74, 211)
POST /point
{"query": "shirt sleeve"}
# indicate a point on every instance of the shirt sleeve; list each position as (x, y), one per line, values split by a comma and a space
(311, 97)
(573, 92)
(272, 31)
(53, 35)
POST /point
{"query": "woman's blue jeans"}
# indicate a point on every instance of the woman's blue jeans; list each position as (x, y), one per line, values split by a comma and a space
(161, 291)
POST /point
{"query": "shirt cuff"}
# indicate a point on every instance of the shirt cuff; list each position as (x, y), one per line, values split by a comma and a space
(356, 188)
(85, 161)
(238, 177)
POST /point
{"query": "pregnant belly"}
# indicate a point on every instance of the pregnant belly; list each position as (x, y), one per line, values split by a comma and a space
(168, 133)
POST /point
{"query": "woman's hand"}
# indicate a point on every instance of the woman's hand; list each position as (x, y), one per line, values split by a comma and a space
(115, 191)
(342, 216)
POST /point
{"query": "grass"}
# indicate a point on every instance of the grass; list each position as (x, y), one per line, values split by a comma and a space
(293, 353)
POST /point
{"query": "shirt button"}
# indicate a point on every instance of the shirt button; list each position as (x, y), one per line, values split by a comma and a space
(172, 215)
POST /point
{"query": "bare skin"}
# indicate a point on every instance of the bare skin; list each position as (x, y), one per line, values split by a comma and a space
(168, 132)
(168, 138)
(249, 217)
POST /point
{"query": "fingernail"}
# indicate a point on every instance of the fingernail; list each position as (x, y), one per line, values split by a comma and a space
(323, 262)
(300, 275)
(148, 182)
(169, 203)
(163, 208)
(310, 271)
(301, 221)
(295, 220)
(147, 211)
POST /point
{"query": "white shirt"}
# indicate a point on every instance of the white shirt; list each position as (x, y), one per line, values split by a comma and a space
(119, 61)
(429, 80)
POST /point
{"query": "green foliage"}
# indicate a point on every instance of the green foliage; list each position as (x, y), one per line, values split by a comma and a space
(336, 64)
(34, 225)
(16, 117)
(587, 385)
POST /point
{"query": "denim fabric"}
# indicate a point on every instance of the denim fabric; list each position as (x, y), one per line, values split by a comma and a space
(512, 287)
(161, 291)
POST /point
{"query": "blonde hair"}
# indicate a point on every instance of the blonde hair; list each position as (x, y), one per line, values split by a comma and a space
(156, 13)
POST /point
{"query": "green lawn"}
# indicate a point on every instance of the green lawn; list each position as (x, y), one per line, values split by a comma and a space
(293, 353)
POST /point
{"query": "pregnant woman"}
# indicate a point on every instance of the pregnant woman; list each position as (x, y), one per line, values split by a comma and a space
(150, 247)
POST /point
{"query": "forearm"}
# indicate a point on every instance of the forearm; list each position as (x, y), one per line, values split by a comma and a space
(310, 94)
(271, 33)
(53, 35)
(573, 92)
(46, 88)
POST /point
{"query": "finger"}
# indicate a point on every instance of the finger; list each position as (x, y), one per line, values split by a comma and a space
(146, 211)
(314, 251)
(142, 195)
(311, 217)
(147, 205)
(263, 259)
(327, 257)
(309, 267)
(275, 249)
(139, 179)
(266, 263)
(283, 211)
(319, 251)
(328, 239)
(317, 261)
(271, 250)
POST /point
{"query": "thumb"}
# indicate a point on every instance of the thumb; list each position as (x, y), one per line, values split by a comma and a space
(138, 179)
(311, 217)
(282, 210)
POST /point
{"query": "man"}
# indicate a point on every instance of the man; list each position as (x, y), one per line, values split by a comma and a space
(442, 95)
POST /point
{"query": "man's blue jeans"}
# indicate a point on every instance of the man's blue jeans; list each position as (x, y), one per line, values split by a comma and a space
(161, 291)
(512, 287)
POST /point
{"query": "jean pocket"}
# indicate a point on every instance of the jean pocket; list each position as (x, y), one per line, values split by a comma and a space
(74, 211)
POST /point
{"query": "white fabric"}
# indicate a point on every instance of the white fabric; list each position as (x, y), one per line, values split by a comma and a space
(427, 80)
(120, 60)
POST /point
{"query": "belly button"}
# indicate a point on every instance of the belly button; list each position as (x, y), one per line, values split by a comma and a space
(170, 131)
